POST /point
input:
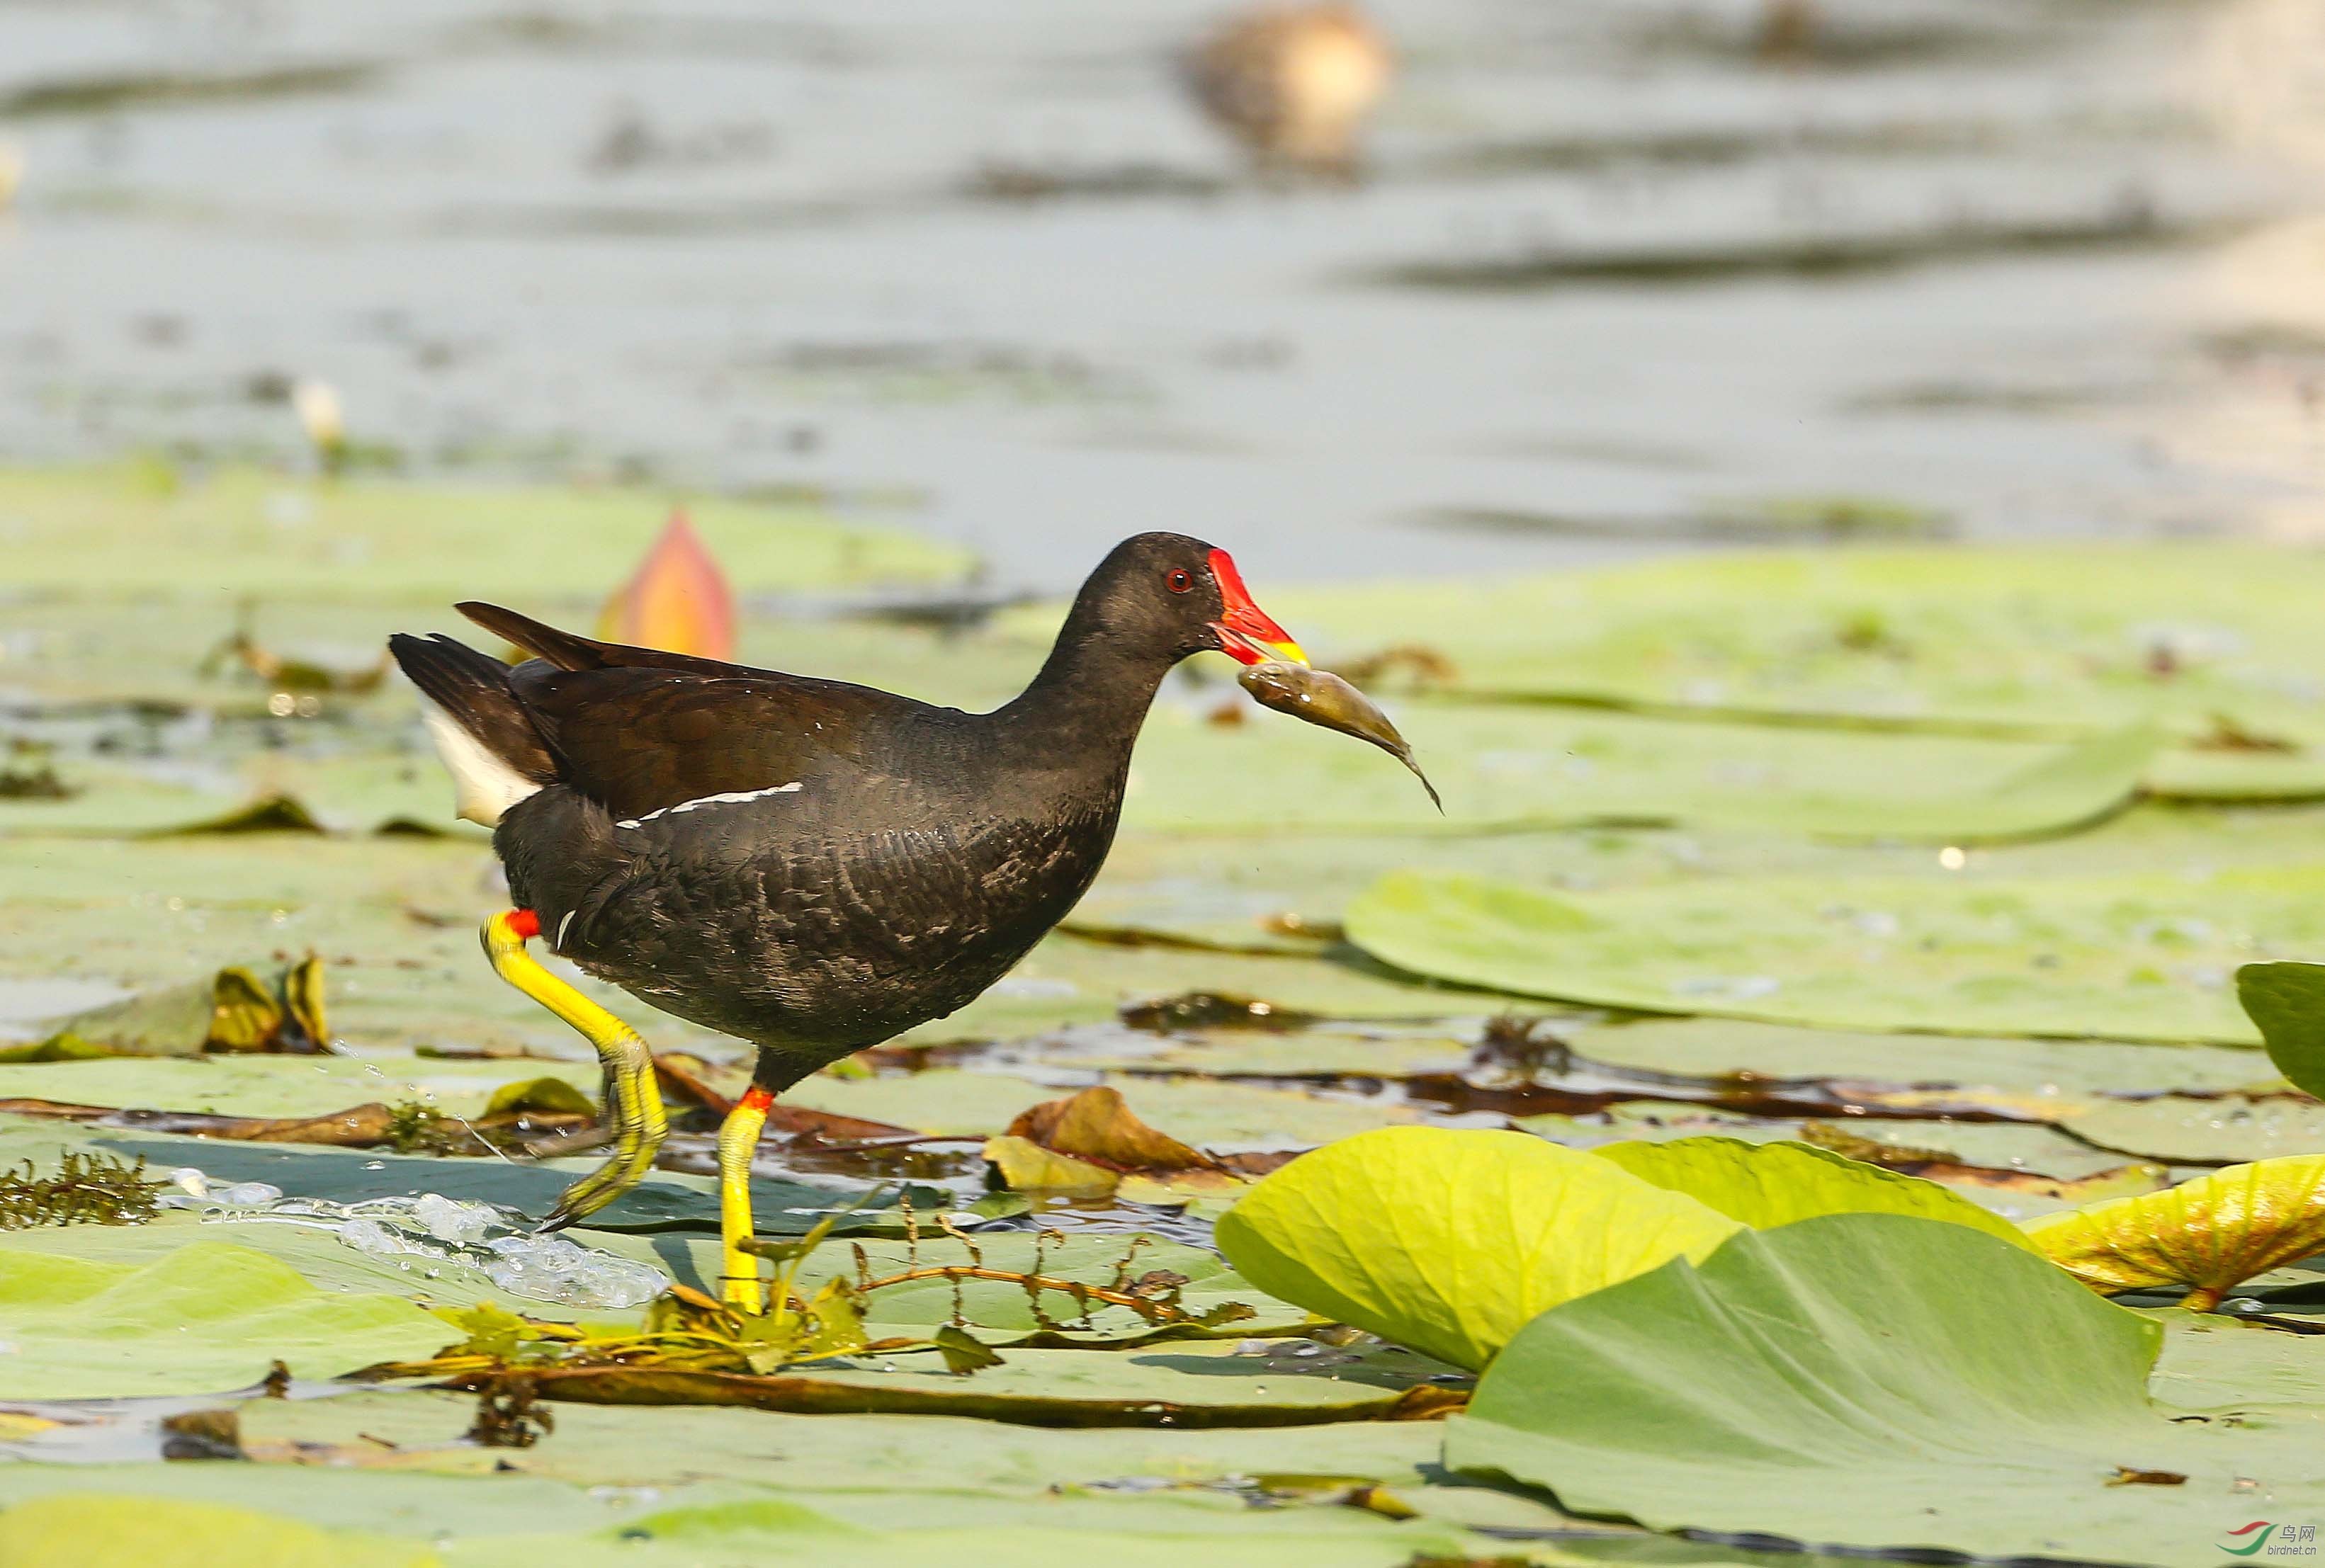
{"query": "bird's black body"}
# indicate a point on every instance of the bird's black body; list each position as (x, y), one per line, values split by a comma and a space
(809, 865)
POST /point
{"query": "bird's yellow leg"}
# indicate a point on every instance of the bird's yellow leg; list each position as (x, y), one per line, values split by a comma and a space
(739, 1285)
(633, 1098)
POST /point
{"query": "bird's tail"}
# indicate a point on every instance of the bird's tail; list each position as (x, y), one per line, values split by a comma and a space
(489, 743)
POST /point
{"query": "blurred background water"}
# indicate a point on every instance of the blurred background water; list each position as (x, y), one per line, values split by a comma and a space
(1616, 275)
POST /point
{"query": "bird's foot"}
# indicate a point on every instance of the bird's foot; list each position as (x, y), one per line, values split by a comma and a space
(634, 1099)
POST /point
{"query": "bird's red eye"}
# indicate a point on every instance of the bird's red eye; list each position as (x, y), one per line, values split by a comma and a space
(1181, 580)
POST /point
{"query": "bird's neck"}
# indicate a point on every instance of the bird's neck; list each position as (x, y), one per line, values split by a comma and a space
(1084, 709)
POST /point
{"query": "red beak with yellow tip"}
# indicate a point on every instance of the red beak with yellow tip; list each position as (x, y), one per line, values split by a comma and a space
(1246, 633)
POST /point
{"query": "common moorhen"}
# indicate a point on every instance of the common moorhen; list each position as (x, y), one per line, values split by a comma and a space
(812, 866)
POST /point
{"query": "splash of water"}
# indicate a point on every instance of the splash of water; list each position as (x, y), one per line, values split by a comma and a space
(427, 1232)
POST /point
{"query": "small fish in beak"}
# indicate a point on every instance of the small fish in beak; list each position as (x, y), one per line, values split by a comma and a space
(1321, 698)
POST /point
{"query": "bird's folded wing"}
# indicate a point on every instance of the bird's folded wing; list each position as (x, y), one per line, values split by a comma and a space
(644, 740)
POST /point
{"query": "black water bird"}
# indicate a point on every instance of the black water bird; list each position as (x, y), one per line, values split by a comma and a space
(812, 866)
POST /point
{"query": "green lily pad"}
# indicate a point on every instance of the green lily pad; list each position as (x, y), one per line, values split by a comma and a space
(207, 1317)
(1510, 765)
(269, 1085)
(1835, 1381)
(244, 533)
(1200, 1110)
(2213, 1362)
(2126, 958)
(1767, 1185)
(2286, 1002)
(1449, 1241)
(2203, 1129)
(2210, 1234)
(99, 1527)
(2059, 637)
(2067, 1075)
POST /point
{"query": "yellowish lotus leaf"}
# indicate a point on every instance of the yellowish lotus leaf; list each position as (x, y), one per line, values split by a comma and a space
(1450, 1241)
(1767, 1185)
(2209, 1234)
(1027, 1166)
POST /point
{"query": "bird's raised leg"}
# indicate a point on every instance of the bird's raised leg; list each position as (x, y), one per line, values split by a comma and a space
(739, 1284)
(632, 1096)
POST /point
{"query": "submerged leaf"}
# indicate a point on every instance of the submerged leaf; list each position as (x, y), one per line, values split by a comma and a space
(1767, 1185)
(1450, 1241)
(2209, 1234)
(2286, 1001)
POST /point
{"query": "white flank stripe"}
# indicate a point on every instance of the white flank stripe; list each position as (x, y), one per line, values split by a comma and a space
(734, 798)
(557, 943)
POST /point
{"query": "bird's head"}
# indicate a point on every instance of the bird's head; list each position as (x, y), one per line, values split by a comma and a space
(1180, 596)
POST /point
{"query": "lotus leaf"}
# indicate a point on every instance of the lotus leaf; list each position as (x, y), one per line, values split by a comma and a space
(1767, 1185)
(1450, 1241)
(1869, 1381)
(2209, 1234)
(2286, 1001)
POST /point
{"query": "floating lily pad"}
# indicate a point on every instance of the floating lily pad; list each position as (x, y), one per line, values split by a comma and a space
(2210, 1234)
(2058, 638)
(1507, 766)
(97, 1527)
(2128, 958)
(1835, 1381)
(1767, 1185)
(241, 531)
(1219, 1115)
(1449, 1241)
(209, 1317)
(2068, 1075)
(2204, 1129)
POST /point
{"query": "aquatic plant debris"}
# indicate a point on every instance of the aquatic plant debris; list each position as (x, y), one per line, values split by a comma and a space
(85, 1189)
